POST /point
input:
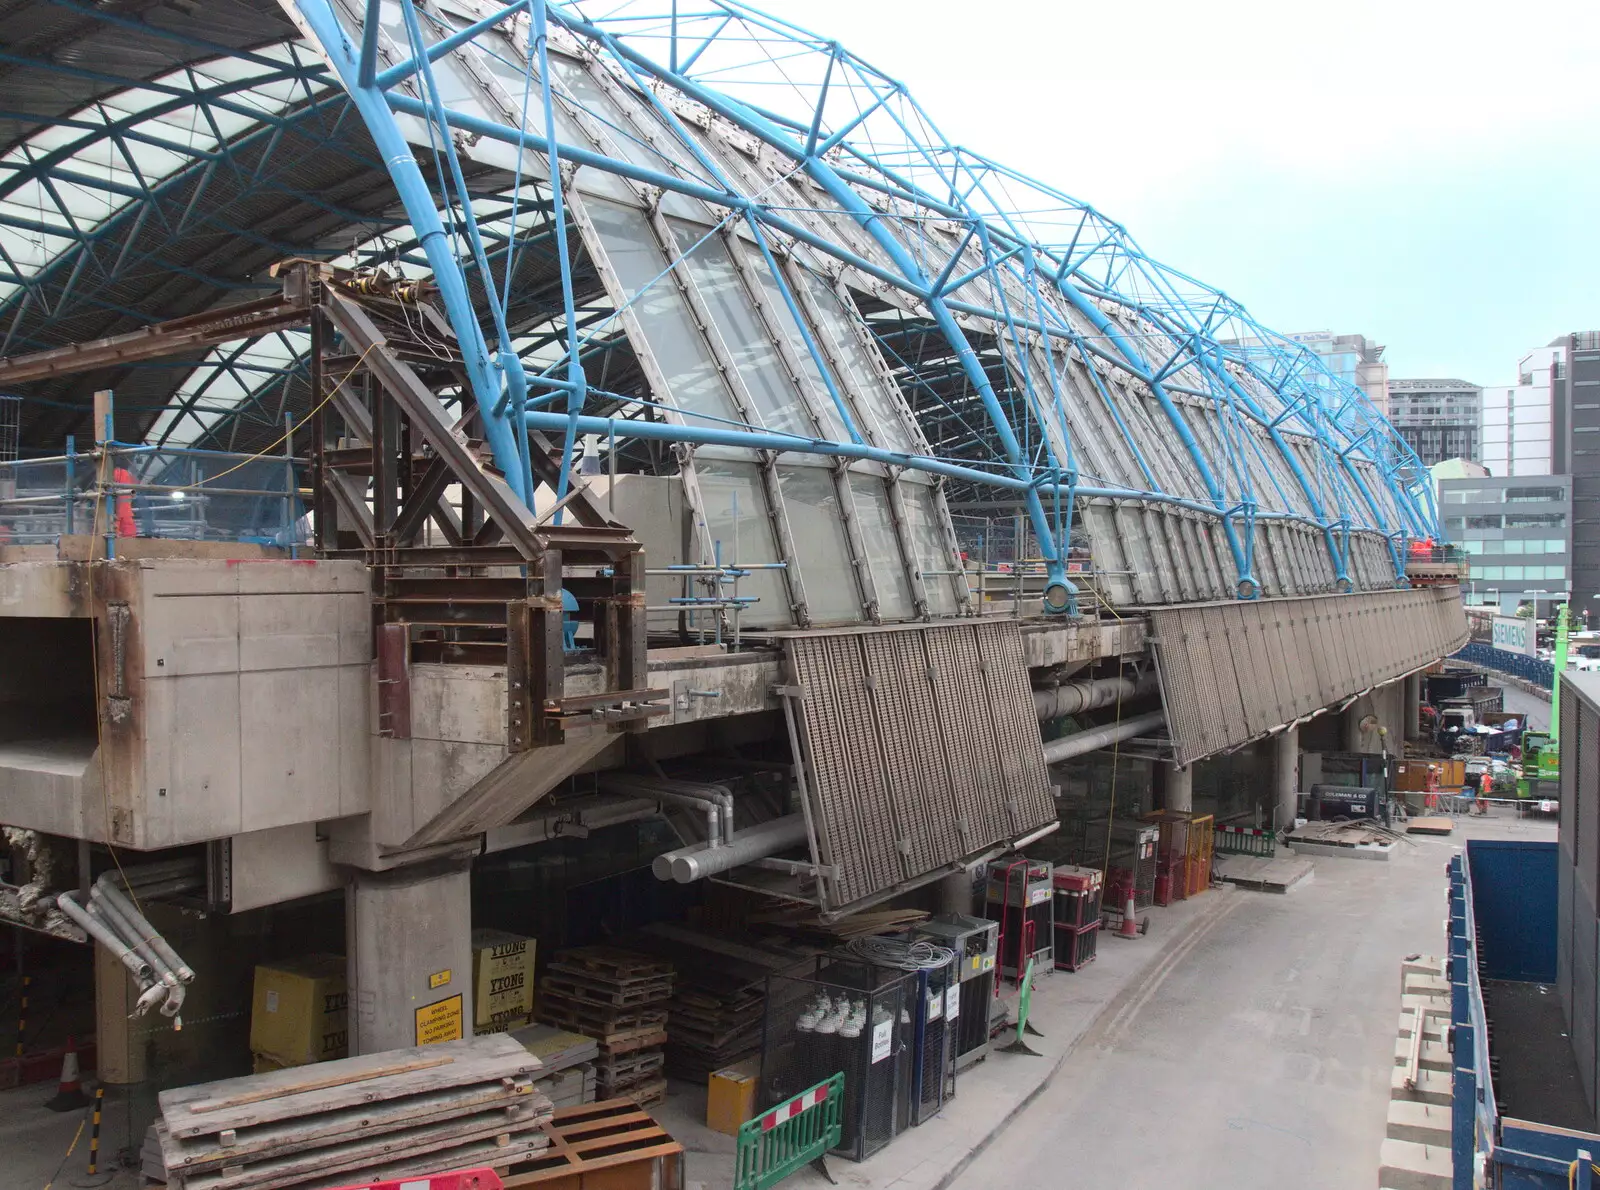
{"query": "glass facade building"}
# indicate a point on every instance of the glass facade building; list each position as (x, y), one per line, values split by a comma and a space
(1517, 533)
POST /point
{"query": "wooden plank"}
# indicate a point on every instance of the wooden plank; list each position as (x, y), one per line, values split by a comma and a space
(477, 1060)
(472, 1155)
(285, 1137)
(356, 1156)
(315, 1084)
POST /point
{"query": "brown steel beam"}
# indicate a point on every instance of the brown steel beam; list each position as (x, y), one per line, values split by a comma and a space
(196, 331)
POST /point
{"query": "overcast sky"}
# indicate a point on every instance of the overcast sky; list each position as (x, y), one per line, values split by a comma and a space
(1423, 173)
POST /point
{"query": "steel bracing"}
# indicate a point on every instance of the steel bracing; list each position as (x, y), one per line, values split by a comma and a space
(764, 269)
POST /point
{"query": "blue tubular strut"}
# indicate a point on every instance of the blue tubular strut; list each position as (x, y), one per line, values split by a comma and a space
(577, 391)
(853, 204)
(1248, 588)
(1231, 379)
(424, 215)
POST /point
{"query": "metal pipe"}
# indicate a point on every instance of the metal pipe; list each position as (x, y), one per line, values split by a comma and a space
(643, 785)
(712, 812)
(145, 930)
(138, 877)
(689, 864)
(1055, 751)
(1070, 698)
(102, 933)
(119, 924)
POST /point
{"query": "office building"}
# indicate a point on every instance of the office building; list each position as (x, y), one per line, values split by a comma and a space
(1438, 418)
(1577, 423)
(1518, 534)
(1519, 422)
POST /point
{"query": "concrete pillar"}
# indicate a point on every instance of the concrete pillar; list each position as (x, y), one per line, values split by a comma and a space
(1350, 723)
(1413, 706)
(408, 936)
(119, 1053)
(955, 893)
(1285, 769)
(1178, 788)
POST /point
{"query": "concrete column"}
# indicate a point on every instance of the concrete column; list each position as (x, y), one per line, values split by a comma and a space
(1413, 707)
(1350, 723)
(1178, 788)
(1285, 769)
(119, 1054)
(955, 893)
(409, 941)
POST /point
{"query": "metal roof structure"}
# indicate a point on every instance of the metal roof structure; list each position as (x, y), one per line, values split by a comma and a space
(765, 271)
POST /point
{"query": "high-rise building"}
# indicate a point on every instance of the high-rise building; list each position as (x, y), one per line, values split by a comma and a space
(1575, 419)
(1354, 359)
(1517, 534)
(1439, 418)
(1519, 422)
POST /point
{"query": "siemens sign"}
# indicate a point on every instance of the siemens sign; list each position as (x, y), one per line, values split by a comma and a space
(1516, 635)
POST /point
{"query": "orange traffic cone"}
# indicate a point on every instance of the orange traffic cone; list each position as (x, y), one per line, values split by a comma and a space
(69, 1094)
(1130, 919)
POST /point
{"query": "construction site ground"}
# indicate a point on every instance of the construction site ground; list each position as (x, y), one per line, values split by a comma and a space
(1244, 1042)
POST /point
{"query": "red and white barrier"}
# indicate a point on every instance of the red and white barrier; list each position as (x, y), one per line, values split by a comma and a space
(787, 1111)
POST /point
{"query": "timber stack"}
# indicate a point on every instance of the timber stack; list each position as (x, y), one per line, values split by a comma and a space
(619, 998)
(400, 1114)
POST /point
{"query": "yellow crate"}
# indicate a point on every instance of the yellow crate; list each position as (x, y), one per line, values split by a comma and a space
(298, 1013)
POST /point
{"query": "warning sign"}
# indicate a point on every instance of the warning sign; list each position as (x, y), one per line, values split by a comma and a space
(439, 1021)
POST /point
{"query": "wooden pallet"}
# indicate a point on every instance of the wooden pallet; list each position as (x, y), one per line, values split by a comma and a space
(626, 1043)
(614, 1140)
(650, 1094)
(629, 1067)
(599, 995)
(611, 963)
(594, 1020)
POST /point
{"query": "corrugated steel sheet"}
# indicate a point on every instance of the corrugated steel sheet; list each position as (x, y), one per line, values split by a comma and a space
(1231, 672)
(921, 748)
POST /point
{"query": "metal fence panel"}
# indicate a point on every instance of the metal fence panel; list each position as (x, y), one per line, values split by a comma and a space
(1221, 690)
(921, 746)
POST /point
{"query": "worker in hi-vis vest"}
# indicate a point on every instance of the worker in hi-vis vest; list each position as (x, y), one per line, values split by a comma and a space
(123, 479)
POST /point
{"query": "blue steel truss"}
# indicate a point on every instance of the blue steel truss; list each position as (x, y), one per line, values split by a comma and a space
(1047, 358)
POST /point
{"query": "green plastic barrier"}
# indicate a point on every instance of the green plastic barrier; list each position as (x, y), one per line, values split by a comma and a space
(777, 1143)
(1243, 840)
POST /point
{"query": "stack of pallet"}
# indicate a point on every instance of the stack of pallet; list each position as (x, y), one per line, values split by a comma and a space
(400, 1114)
(619, 998)
(719, 997)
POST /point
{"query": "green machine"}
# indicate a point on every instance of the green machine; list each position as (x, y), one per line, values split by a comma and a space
(1541, 751)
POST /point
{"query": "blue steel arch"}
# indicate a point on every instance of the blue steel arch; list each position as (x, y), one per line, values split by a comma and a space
(1359, 454)
(1244, 429)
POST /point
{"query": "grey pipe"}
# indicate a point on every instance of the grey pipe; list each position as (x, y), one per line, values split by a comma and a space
(1071, 698)
(689, 864)
(711, 810)
(163, 888)
(145, 930)
(112, 916)
(640, 785)
(147, 873)
(1055, 751)
(102, 933)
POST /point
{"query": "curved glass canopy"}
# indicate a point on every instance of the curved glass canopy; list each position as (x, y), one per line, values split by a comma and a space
(764, 272)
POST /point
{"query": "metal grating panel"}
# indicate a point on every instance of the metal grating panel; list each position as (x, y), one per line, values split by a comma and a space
(921, 749)
(1232, 672)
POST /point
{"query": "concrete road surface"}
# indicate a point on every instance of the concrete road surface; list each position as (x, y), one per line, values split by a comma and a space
(1532, 706)
(1259, 1057)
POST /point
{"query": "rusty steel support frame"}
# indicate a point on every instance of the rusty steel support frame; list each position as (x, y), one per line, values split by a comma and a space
(386, 459)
